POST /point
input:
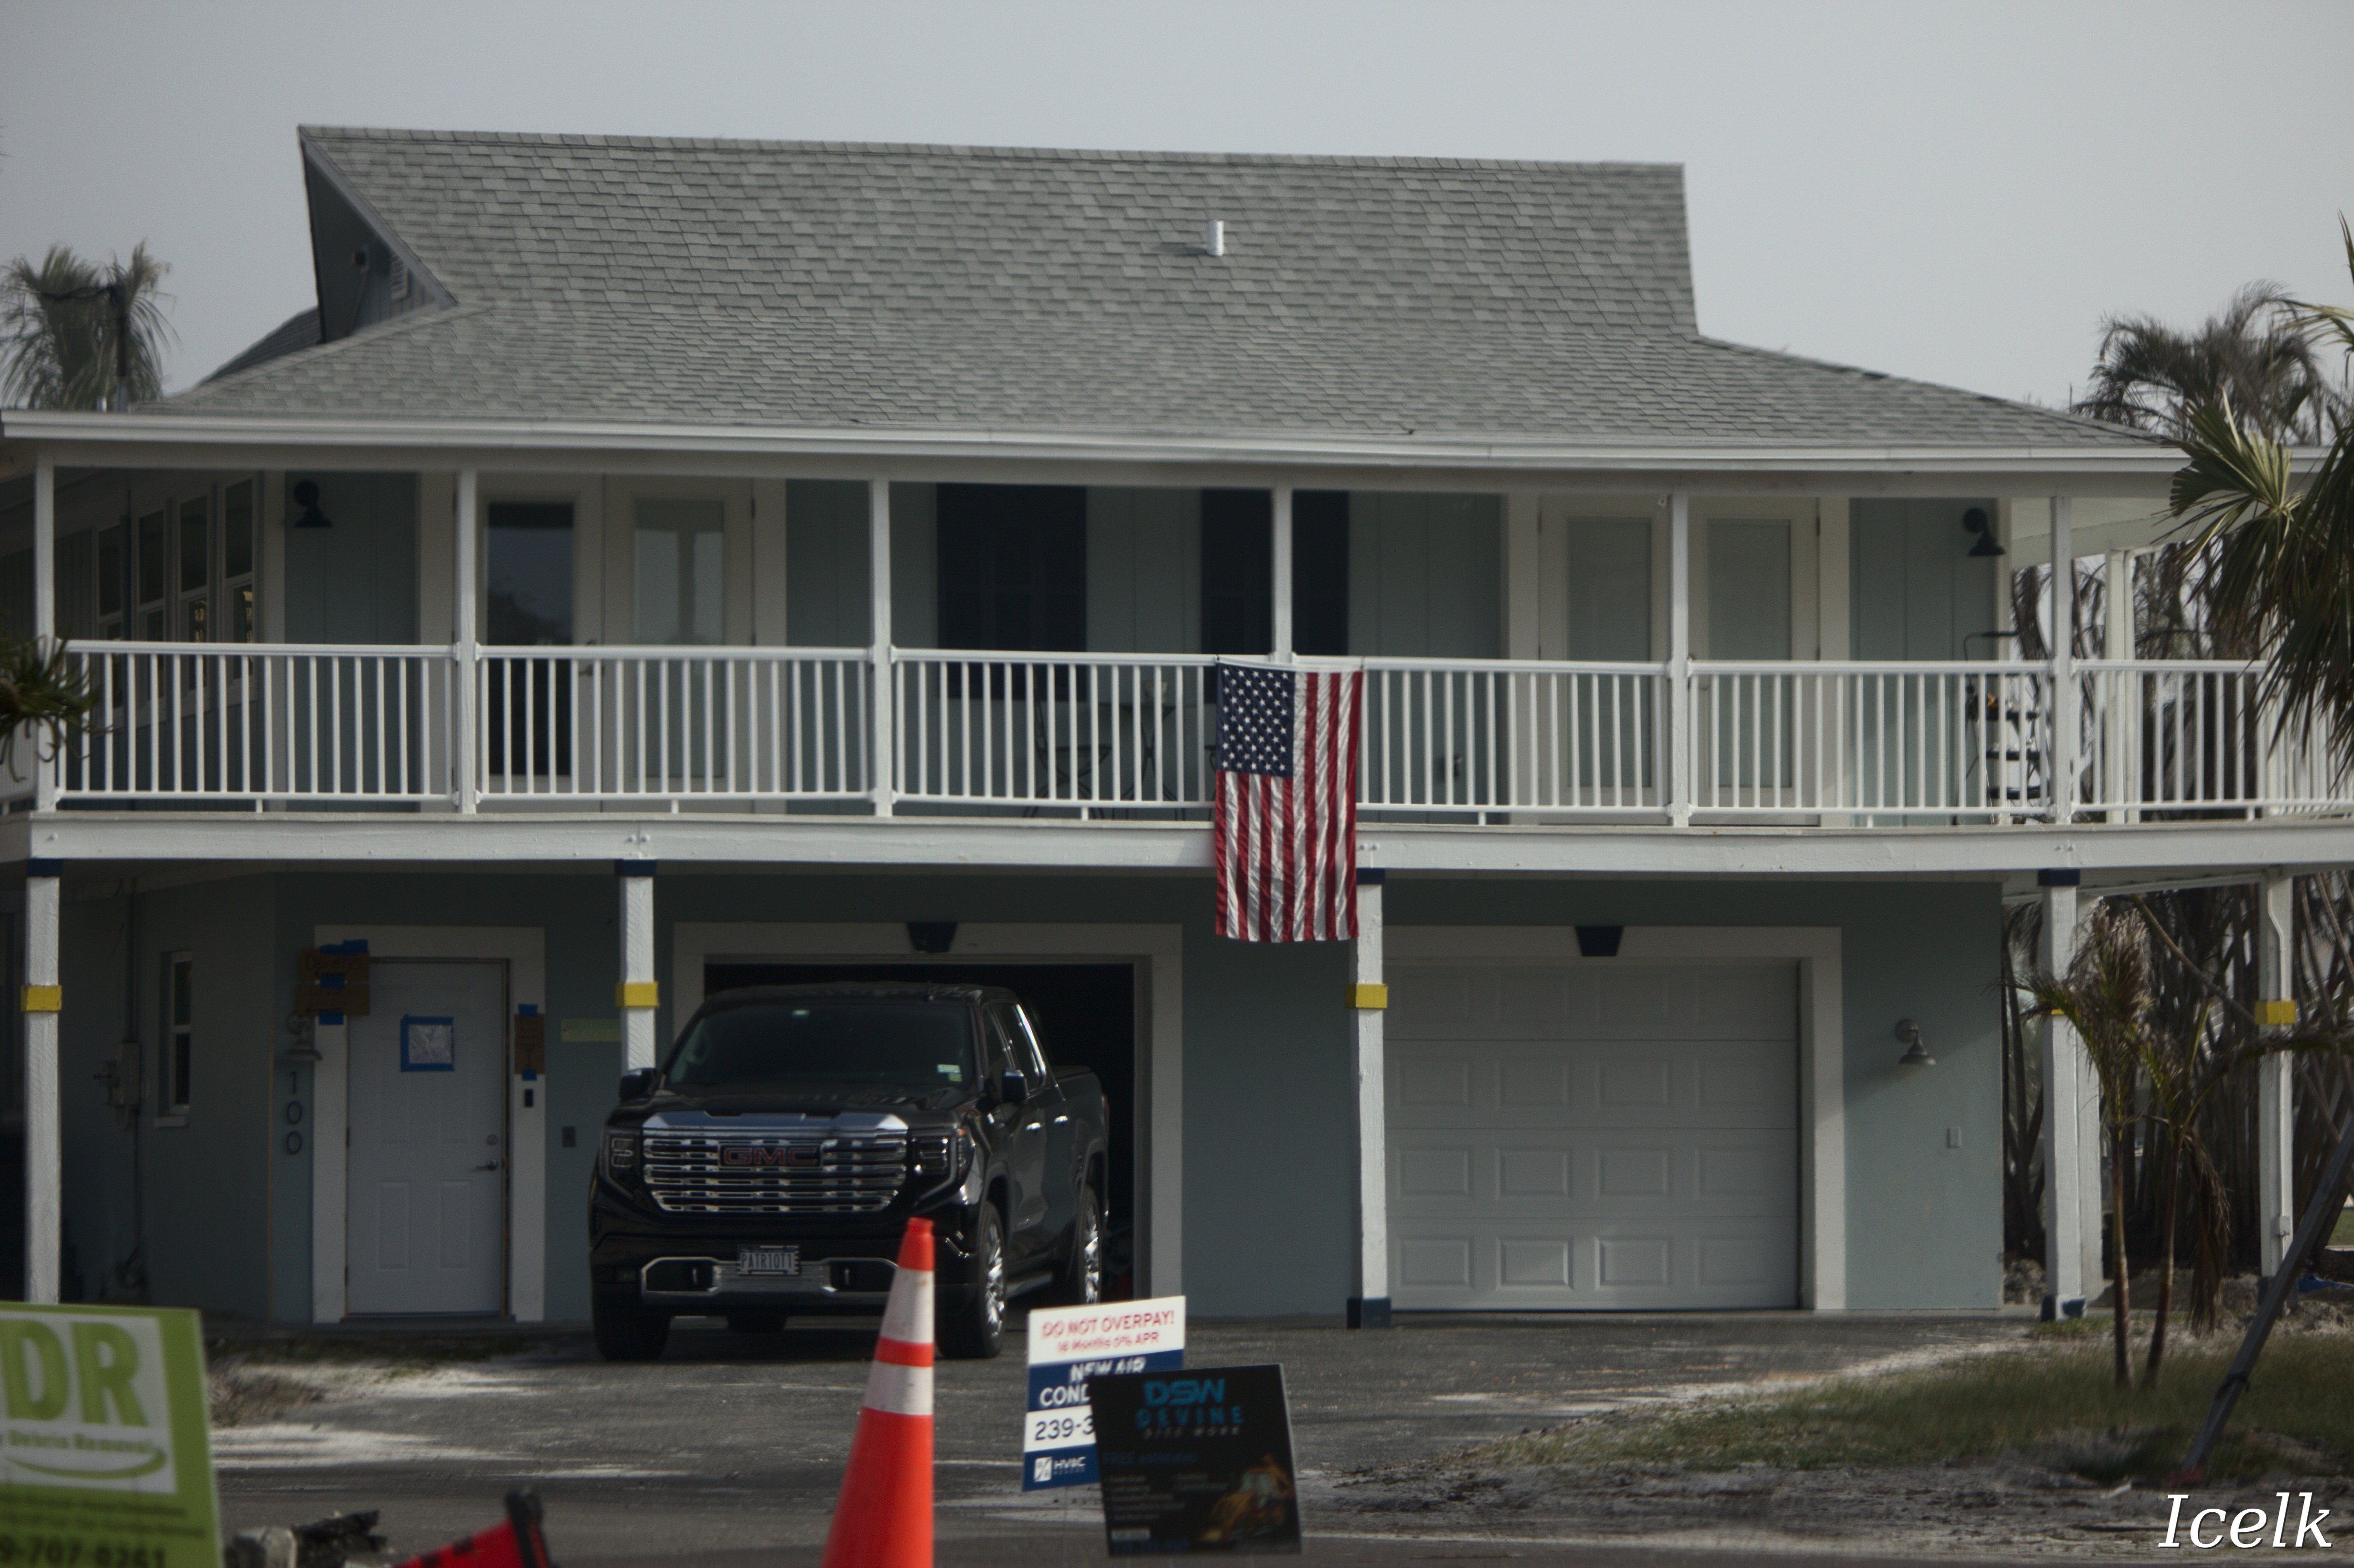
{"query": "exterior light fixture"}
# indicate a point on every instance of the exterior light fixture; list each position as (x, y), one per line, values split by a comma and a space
(304, 1029)
(1917, 1054)
(306, 496)
(1975, 520)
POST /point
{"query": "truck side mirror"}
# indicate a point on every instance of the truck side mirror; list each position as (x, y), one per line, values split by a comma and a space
(1015, 1086)
(639, 1082)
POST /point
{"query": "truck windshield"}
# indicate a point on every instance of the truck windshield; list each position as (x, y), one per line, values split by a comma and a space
(920, 1048)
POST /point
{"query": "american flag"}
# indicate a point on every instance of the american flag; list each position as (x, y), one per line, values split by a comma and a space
(1283, 823)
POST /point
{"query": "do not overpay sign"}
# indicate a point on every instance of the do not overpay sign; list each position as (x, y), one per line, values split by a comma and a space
(105, 1460)
(1070, 1345)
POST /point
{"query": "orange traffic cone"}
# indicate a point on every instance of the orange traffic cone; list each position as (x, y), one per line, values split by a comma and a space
(884, 1517)
(514, 1544)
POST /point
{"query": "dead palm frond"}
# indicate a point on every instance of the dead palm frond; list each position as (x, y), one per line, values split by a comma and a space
(58, 330)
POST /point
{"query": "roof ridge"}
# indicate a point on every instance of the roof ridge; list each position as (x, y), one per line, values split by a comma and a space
(968, 150)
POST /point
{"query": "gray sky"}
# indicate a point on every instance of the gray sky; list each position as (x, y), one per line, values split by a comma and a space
(1956, 192)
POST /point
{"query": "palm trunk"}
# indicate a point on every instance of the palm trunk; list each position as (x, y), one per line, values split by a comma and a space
(2121, 1293)
(2164, 1259)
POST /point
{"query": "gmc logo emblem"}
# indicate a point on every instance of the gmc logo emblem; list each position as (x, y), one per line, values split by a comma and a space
(792, 1156)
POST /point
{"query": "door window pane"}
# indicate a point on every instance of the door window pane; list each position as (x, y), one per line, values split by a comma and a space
(1237, 571)
(527, 575)
(681, 559)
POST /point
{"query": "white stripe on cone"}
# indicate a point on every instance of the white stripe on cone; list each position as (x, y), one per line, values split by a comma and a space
(892, 1384)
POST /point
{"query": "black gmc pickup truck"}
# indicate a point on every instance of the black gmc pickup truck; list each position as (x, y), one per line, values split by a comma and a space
(770, 1164)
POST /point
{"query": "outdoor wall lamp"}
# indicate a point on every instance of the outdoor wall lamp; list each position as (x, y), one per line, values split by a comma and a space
(305, 1028)
(1916, 1053)
(306, 496)
(1975, 520)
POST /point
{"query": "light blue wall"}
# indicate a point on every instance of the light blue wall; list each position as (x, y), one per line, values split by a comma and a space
(1424, 575)
(355, 581)
(825, 564)
(1914, 588)
(206, 1183)
(1267, 1140)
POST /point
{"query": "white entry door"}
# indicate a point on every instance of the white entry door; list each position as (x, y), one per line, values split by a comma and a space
(426, 1206)
(1594, 1135)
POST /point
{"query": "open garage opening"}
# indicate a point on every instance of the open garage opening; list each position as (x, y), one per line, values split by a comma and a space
(1085, 1017)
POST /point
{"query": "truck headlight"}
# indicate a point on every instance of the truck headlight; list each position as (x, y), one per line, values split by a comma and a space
(933, 1153)
(621, 1151)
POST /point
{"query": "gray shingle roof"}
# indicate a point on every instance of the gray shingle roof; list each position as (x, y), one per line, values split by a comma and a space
(818, 285)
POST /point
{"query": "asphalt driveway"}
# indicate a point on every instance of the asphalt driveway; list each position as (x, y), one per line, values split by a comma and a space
(733, 1444)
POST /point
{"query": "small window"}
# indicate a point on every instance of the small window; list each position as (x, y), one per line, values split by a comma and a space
(173, 1070)
(400, 278)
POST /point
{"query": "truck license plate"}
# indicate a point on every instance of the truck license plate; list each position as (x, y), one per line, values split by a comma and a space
(776, 1261)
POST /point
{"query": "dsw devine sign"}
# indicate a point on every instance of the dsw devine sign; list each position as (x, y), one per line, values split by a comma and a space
(103, 1453)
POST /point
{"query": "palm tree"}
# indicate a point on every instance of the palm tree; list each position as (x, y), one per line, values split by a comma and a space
(2106, 997)
(2257, 354)
(72, 330)
(2283, 564)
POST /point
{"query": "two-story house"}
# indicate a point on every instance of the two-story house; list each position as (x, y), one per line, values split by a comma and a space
(654, 566)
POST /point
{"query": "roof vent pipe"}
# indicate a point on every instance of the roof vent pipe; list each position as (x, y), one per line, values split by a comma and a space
(1213, 238)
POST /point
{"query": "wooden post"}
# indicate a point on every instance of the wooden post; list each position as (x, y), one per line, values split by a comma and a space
(2060, 749)
(2275, 1075)
(1280, 535)
(2071, 1147)
(466, 754)
(45, 612)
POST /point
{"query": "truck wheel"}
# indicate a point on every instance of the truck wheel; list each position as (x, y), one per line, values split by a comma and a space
(626, 1331)
(756, 1320)
(1083, 1271)
(974, 1327)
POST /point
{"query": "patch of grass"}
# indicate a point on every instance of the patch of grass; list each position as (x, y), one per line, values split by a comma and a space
(2054, 1404)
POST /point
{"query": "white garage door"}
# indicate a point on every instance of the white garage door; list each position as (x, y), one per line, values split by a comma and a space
(1607, 1135)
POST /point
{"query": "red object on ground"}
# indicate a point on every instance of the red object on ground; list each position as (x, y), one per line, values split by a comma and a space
(884, 1517)
(515, 1543)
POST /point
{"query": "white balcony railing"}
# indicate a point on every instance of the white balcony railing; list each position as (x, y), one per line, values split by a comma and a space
(1134, 736)
(260, 722)
(1450, 736)
(673, 724)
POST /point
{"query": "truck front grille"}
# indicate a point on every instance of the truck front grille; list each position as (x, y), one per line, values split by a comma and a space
(742, 1174)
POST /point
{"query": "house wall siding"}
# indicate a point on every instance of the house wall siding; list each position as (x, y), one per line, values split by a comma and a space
(1423, 575)
(357, 580)
(1268, 1141)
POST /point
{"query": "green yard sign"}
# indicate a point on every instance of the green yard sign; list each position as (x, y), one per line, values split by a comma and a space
(105, 1460)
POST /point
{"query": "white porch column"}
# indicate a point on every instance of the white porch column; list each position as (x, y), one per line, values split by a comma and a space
(1679, 738)
(2275, 1075)
(467, 755)
(2072, 1145)
(45, 612)
(2117, 750)
(885, 780)
(637, 996)
(44, 1137)
(2061, 743)
(1370, 996)
(1280, 542)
